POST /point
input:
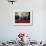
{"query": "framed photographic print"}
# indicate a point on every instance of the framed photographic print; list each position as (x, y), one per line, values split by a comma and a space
(23, 18)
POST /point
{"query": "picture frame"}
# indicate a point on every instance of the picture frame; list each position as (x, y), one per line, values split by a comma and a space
(23, 18)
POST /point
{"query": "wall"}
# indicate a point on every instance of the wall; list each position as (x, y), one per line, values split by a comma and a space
(9, 31)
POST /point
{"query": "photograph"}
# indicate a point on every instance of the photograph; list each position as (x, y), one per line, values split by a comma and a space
(23, 18)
